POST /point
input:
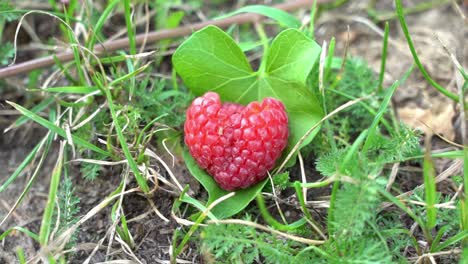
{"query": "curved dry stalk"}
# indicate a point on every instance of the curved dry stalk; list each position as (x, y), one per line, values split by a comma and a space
(61, 240)
(151, 153)
(156, 211)
(264, 228)
(448, 141)
(100, 162)
(275, 197)
(20, 23)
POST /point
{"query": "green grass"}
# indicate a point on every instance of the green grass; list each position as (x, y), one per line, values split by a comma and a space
(117, 120)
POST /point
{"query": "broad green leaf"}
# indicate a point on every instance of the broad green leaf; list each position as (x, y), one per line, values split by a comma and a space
(230, 206)
(282, 17)
(210, 60)
(292, 56)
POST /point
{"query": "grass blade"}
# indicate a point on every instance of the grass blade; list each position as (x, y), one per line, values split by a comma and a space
(131, 162)
(384, 56)
(282, 17)
(73, 41)
(129, 75)
(331, 210)
(404, 27)
(36, 109)
(52, 127)
(20, 255)
(272, 221)
(353, 150)
(313, 13)
(23, 165)
(464, 202)
(68, 89)
(20, 229)
(197, 204)
(100, 23)
(18, 201)
(382, 109)
(458, 237)
(130, 32)
(46, 224)
(177, 250)
(430, 191)
(328, 63)
(402, 206)
(438, 237)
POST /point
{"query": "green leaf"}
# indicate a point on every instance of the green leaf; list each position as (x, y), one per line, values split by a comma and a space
(292, 56)
(210, 60)
(279, 15)
(36, 109)
(46, 224)
(187, 199)
(454, 239)
(230, 206)
(20, 229)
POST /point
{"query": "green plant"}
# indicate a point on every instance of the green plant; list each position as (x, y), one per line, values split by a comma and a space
(7, 50)
(122, 113)
(227, 72)
(243, 244)
(68, 209)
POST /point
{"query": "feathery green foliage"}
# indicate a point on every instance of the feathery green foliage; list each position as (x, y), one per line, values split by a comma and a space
(243, 244)
(90, 171)
(357, 80)
(69, 209)
(7, 50)
(156, 97)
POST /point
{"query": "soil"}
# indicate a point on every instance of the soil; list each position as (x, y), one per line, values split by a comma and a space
(152, 236)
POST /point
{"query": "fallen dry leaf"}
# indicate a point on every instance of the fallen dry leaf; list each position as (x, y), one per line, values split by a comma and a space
(436, 120)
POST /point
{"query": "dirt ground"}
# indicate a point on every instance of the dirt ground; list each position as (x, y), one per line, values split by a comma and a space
(415, 101)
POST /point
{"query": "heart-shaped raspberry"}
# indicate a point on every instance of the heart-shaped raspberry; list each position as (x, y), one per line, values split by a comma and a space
(236, 144)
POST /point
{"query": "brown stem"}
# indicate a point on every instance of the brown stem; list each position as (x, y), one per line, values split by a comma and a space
(150, 37)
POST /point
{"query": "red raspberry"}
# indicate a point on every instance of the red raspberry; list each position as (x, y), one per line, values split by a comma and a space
(236, 144)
